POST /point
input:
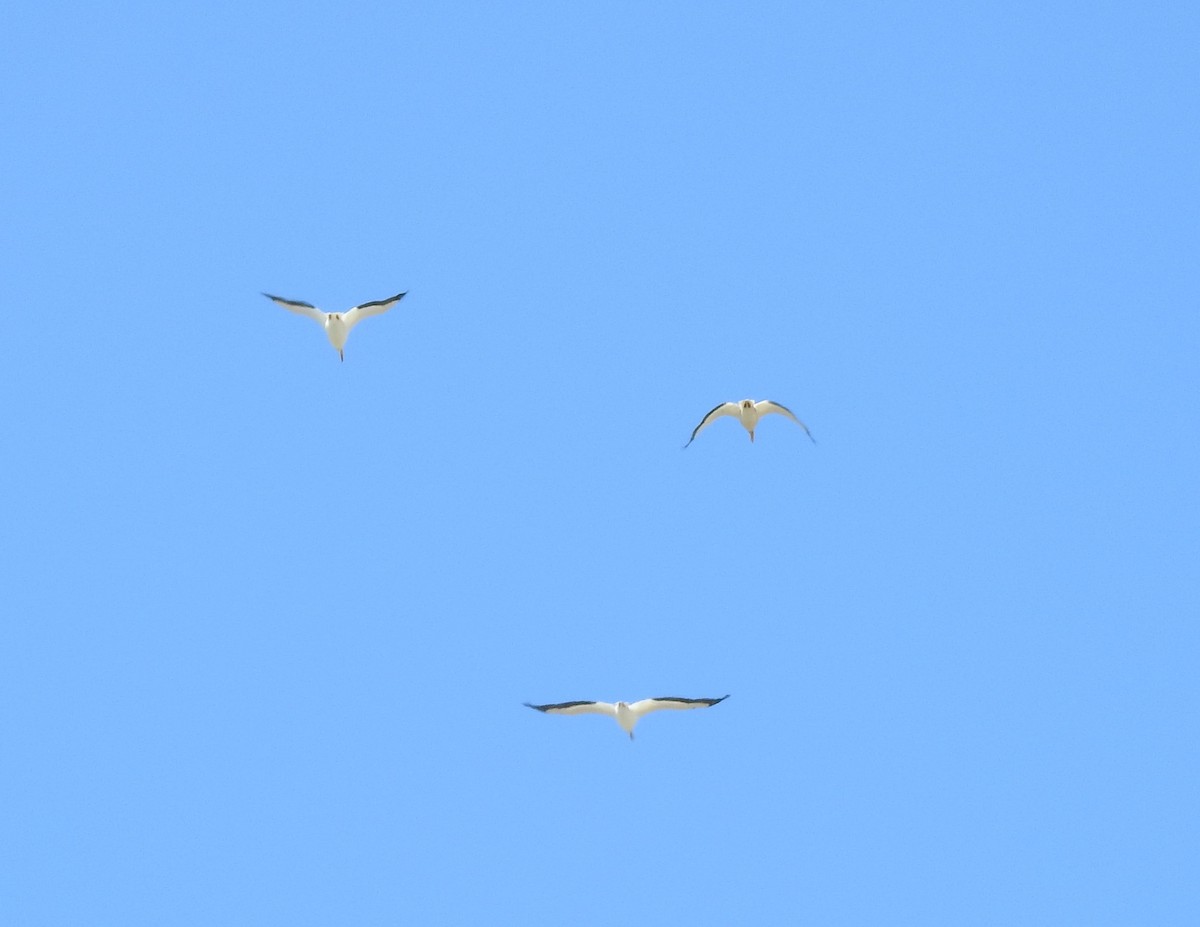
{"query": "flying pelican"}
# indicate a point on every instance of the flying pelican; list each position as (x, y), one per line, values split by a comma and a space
(627, 714)
(337, 325)
(748, 412)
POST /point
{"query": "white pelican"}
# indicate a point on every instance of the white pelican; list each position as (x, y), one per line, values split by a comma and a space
(337, 325)
(627, 714)
(748, 412)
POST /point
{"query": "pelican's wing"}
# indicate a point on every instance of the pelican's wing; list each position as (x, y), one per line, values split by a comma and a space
(365, 310)
(577, 708)
(647, 705)
(296, 306)
(725, 408)
(766, 407)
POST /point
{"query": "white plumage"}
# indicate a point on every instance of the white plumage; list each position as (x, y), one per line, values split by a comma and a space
(748, 412)
(627, 713)
(337, 325)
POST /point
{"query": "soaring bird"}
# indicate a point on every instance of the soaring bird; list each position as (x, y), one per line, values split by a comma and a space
(627, 714)
(748, 412)
(337, 325)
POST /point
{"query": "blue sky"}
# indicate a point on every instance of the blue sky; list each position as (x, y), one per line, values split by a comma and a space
(270, 618)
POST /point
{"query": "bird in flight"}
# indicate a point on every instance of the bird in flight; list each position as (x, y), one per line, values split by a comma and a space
(748, 412)
(627, 713)
(337, 325)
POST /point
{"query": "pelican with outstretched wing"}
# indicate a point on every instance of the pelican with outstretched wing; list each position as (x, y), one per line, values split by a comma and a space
(337, 325)
(627, 713)
(748, 412)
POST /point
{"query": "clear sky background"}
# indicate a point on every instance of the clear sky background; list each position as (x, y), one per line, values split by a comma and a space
(269, 618)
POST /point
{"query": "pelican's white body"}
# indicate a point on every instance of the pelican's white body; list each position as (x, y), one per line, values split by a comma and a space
(336, 330)
(626, 718)
(748, 415)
